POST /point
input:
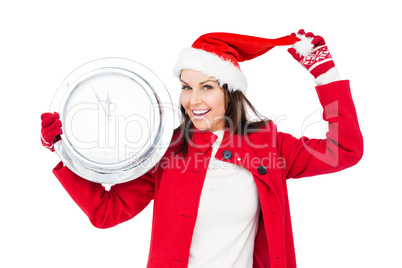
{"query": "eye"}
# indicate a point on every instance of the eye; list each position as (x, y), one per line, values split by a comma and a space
(207, 87)
(185, 87)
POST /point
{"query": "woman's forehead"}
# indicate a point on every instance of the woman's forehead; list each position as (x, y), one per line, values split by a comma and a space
(193, 75)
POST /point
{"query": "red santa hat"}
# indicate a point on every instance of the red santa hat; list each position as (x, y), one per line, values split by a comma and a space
(218, 55)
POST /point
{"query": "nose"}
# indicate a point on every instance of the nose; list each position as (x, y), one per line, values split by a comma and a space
(195, 97)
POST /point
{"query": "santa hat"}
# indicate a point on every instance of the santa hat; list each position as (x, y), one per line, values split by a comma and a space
(218, 55)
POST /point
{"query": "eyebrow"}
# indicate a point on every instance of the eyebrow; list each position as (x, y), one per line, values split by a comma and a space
(201, 82)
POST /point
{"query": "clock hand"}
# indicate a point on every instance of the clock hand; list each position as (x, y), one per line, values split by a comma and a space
(99, 101)
(108, 102)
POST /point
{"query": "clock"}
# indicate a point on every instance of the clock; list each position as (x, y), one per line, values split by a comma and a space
(117, 120)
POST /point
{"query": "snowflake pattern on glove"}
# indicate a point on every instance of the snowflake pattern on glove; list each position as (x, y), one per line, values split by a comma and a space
(47, 145)
(318, 56)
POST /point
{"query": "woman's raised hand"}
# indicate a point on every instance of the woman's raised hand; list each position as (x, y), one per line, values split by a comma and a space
(51, 130)
(312, 53)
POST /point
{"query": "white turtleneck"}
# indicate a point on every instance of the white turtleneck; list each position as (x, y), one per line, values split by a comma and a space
(228, 215)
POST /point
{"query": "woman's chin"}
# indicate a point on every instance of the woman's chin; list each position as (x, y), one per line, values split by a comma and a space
(201, 125)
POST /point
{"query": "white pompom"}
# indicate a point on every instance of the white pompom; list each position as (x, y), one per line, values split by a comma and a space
(304, 47)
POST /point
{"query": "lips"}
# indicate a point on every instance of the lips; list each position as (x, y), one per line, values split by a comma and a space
(200, 114)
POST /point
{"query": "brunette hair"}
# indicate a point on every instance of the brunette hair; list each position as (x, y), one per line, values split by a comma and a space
(236, 113)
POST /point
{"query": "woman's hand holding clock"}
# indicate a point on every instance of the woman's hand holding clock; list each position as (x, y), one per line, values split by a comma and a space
(51, 130)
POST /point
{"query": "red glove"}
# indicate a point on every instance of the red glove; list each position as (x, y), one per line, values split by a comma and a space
(316, 60)
(51, 130)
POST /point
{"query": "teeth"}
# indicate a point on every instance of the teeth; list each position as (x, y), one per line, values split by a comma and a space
(200, 112)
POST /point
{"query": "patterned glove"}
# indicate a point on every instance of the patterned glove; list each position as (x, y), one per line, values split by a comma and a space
(312, 53)
(51, 130)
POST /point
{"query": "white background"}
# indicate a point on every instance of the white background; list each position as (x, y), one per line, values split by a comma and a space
(347, 219)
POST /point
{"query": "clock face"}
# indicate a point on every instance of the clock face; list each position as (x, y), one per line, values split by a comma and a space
(117, 120)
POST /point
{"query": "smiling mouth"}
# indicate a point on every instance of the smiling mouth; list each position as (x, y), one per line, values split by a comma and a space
(200, 113)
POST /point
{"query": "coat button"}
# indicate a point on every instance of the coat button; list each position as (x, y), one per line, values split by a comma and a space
(227, 154)
(262, 170)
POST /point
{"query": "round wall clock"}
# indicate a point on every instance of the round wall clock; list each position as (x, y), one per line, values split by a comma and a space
(117, 118)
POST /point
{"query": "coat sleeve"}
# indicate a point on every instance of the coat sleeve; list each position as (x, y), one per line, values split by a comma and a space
(343, 146)
(107, 208)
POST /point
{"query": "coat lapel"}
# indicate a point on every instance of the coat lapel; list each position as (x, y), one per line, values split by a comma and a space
(202, 140)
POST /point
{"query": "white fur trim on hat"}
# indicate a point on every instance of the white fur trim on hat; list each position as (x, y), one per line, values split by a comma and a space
(211, 65)
(304, 46)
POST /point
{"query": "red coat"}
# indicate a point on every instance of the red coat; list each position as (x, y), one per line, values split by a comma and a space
(175, 184)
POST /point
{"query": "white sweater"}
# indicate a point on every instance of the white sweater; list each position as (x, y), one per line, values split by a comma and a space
(228, 216)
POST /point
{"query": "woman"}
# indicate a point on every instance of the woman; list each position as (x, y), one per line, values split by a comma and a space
(220, 197)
